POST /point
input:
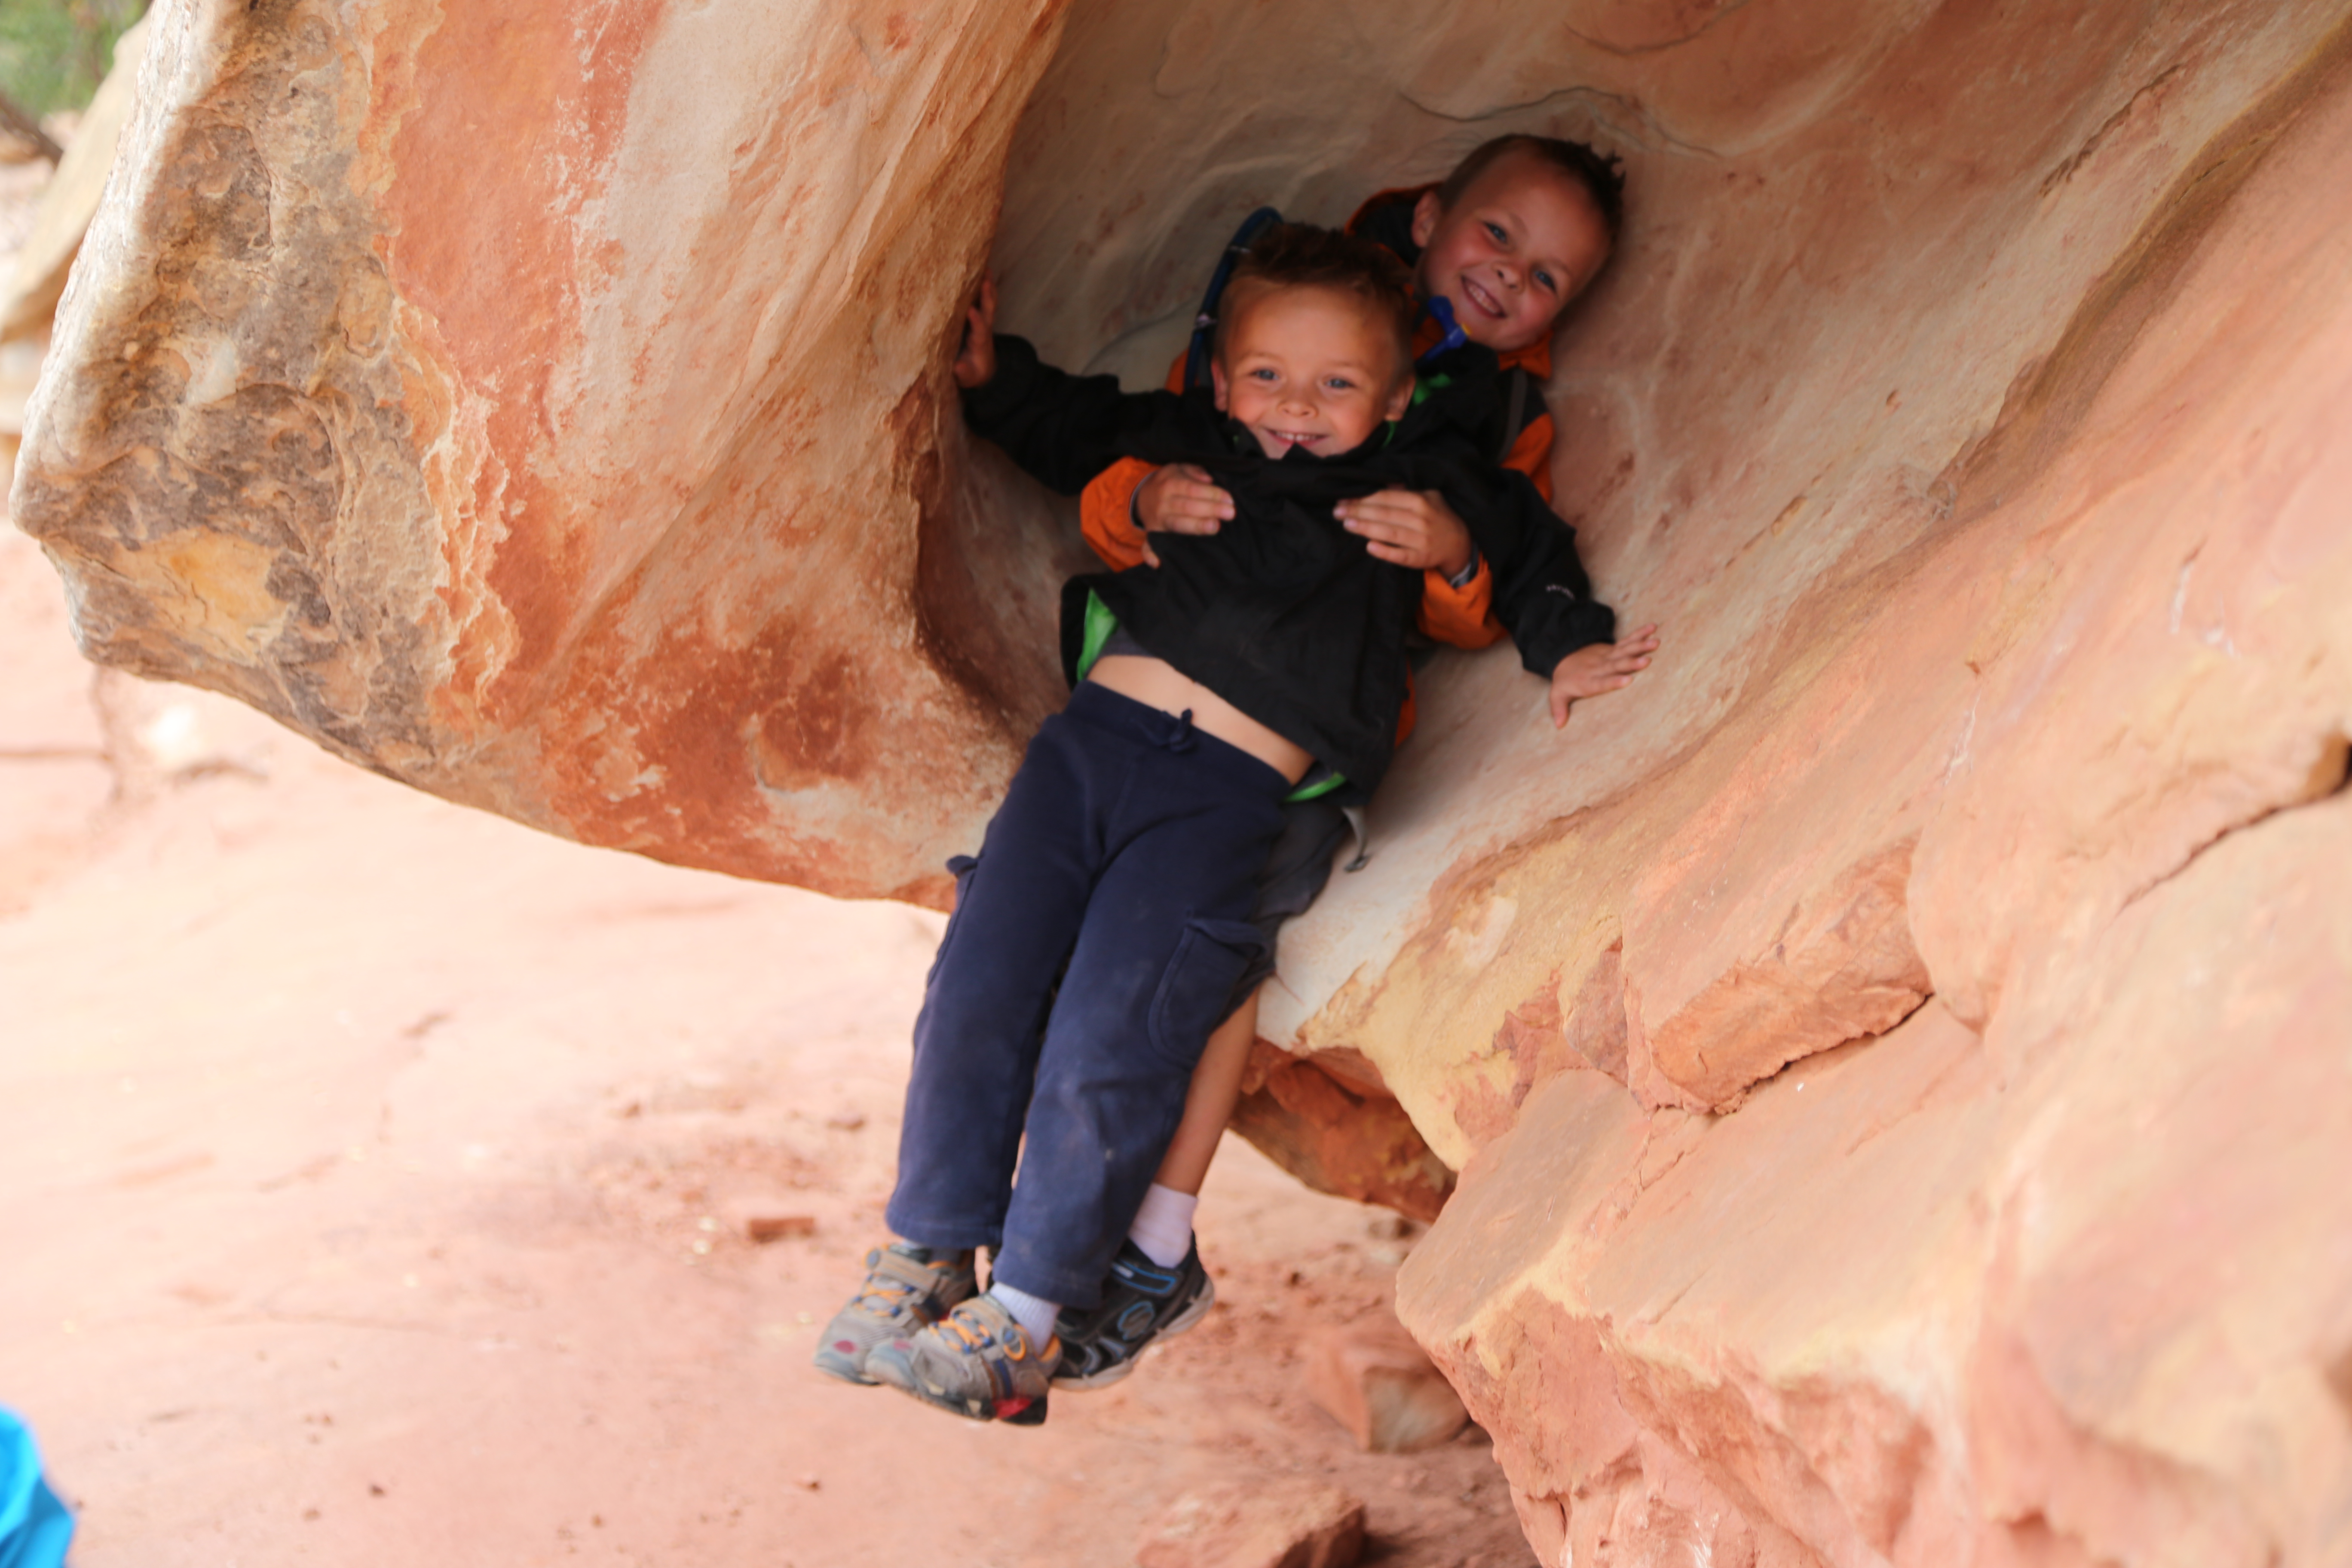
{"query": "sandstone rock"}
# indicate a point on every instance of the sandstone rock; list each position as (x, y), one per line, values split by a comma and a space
(1261, 1522)
(603, 482)
(1888, 1051)
(1333, 1125)
(1373, 1380)
(31, 284)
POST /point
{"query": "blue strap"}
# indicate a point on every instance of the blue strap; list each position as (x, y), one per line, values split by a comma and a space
(1441, 309)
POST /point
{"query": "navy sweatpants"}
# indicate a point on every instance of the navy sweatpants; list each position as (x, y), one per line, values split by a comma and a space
(1129, 845)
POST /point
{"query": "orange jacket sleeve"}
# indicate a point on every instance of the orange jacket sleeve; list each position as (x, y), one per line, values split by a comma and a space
(1106, 506)
(1531, 455)
(1460, 618)
(1104, 514)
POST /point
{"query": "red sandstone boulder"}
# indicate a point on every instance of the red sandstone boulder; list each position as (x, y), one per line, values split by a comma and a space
(1372, 1379)
(1263, 1523)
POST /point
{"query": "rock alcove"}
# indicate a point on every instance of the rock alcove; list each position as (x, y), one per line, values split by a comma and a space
(1893, 1060)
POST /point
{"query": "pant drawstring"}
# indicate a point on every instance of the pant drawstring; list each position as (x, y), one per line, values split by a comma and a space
(1182, 737)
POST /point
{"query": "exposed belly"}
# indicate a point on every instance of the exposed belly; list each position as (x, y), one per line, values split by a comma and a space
(1157, 684)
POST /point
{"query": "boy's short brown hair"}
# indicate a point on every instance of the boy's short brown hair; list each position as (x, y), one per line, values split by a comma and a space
(1301, 256)
(1603, 177)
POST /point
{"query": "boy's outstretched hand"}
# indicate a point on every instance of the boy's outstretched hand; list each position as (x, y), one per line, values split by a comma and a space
(1600, 669)
(975, 359)
(1408, 528)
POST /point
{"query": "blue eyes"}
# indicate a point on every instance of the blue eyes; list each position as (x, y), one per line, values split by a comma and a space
(1501, 235)
(1265, 376)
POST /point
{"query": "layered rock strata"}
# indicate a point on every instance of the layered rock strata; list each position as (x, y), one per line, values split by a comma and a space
(1894, 1057)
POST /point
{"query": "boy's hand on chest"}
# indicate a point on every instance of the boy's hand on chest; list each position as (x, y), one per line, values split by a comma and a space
(1414, 529)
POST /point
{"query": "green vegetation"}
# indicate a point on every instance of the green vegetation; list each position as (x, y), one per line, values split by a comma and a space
(54, 53)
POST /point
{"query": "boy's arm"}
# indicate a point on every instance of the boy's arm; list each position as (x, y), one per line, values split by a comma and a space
(1541, 592)
(1463, 615)
(1544, 595)
(1129, 501)
(1062, 429)
(1530, 455)
(1457, 608)
(1419, 529)
(1460, 614)
(1106, 514)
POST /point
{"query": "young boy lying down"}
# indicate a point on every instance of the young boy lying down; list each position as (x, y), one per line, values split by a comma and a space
(1125, 859)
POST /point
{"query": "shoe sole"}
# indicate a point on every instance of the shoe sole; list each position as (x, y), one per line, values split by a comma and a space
(841, 1369)
(1021, 1412)
(1003, 1411)
(1189, 1318)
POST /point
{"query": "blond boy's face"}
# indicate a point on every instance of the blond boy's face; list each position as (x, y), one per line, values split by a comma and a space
(1512, 251)
(1308, 369)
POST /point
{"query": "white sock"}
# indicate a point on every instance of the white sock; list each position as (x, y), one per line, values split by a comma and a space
(1164, 1226)
(1034, 1313)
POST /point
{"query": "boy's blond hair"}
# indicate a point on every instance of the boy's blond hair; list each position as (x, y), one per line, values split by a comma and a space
(1603, 176)
(1301, 256)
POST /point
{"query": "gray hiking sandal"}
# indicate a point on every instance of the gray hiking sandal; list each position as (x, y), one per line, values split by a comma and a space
(1142, 1304)
(906, 1289)
(976, 1361)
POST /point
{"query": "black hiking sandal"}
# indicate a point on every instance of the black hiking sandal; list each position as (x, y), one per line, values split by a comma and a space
(1142, 1304)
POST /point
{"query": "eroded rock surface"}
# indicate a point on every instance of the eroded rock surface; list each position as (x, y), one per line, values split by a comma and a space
(541, 406)
(1894, 1057)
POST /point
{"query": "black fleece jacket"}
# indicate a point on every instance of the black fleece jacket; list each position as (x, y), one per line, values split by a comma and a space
(1282, 612)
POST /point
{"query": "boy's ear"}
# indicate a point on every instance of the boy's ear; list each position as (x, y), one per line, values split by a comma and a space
(1217, 382)
(1402, 398)
(1425, 214)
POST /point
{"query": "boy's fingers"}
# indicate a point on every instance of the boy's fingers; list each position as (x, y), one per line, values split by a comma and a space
(1206, 499)
(1382, 533)
(1180, 508)
(1408, 535)
(1413, 553)
(1192, 485)
(1391, 507)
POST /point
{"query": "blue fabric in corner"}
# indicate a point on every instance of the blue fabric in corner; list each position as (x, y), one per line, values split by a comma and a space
(35, 1527)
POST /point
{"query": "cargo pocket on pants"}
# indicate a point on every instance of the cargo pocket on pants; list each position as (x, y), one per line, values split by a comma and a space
(1196, 991)
(961, 867)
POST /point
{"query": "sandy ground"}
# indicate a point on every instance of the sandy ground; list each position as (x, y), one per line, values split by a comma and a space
(377, 1172)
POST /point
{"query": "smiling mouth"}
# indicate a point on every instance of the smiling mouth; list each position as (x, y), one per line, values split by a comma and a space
(1482, 299)
(1294, 438)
